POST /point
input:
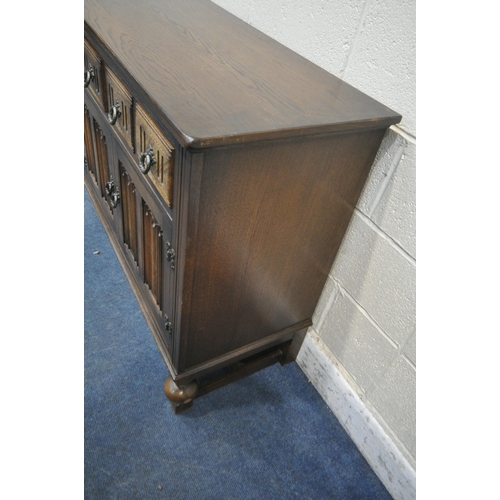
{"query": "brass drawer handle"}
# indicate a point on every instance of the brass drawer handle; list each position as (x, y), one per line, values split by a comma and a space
(88, 76)
(147, 160)
(114, 113)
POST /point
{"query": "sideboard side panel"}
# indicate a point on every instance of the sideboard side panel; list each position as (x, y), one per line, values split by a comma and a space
(269, 219)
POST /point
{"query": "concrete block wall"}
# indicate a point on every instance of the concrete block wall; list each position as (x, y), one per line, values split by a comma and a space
(362, 346)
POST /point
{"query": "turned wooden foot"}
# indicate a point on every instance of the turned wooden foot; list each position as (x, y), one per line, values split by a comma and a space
(180, 397)
(291, 351)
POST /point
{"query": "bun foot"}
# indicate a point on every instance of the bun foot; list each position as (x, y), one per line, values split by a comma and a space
(180, 397)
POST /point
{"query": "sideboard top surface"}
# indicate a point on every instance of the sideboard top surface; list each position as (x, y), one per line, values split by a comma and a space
(220, 81)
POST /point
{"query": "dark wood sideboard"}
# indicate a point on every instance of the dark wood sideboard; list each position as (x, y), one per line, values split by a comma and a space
(225, 169)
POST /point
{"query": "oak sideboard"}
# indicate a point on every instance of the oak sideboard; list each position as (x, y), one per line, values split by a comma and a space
(225, 169)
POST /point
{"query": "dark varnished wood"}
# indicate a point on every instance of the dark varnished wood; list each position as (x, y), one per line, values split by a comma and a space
(129, 213)
(89, 146)
(180, 396)
(292, 348)
(227, 82)
(93, 62)
(147, 135)
(227, 242)
(269, 221)
(102, 157)
(117, 93)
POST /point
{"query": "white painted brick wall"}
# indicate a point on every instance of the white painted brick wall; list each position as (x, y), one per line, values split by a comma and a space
(382, 59)
(358, 343)
(365, 318)
(389, 196)
(318, 30)
(379, 277)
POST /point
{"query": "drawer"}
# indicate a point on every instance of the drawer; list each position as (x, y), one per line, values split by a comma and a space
(155, 154)
(93, 74)
(119, 108)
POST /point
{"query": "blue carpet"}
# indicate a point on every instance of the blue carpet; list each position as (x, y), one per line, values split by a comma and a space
(269, 436)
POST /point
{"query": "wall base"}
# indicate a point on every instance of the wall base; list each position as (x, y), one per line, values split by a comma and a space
(377, 447)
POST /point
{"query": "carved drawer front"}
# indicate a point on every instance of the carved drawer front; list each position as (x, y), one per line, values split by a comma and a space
(155, 154)
(119, 107)
(93, 74)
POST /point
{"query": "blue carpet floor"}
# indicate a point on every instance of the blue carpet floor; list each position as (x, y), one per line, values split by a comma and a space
(269, 436)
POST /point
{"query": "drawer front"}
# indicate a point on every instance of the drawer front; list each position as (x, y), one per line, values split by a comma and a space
(119, 108)
(155, 154)
(93, 74)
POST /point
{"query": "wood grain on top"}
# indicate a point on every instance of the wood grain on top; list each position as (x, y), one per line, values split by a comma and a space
(221, 81)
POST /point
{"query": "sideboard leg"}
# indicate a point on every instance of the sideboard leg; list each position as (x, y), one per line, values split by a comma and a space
(180, 397)
(293, 349)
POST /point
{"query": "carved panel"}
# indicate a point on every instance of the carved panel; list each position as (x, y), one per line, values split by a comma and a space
(129, 212)
(153, 254)
(147, 136)
(102, 162)
(89, 145)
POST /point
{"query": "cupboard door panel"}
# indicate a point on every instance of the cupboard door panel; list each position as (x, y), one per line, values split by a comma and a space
(102, 158)
(158, 265)
(89, 145)
(129, 213)
(153, 254)
(99, 160)
(108, 186)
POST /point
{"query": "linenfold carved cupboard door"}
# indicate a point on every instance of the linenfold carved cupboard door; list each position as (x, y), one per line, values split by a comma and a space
(98, 154)
(145, 232)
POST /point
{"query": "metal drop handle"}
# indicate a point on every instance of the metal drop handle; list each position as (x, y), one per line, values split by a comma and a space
(88, 76)
(112, 193)
(147, 160)
(114, 113)
(170, 254)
